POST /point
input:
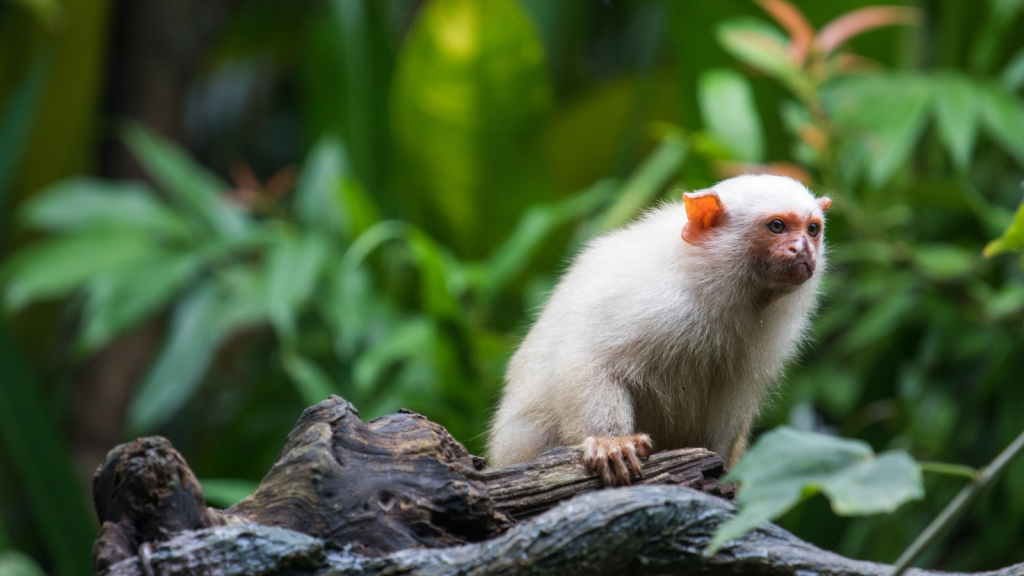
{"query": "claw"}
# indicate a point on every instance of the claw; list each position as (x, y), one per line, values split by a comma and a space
(616, 459)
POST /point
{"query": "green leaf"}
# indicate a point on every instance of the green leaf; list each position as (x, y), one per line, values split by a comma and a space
(34, 449)
(312, 383)
(120, 300)
(328, 198)
(646, 182)
(886, 113)
(761, 46)
(957, 116)
(79, 203)
(536, 224)
(1012, 239)
(56, 266)
(1013, 75)
(944, 261)
(226, 492)
(787, 466)
(196, 332)
(1002, 113)
(14, 563)
(294, 267)
(197, 189)
(469, 98)
(316, 192)
(730, 114)
(413, 339)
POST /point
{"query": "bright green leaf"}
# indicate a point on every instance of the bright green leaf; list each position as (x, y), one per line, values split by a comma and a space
(469, 97)
(957, 116)
(198, 190)
(729, 113)
(226, 492)
(1013, 74)
(1012, 239)
(79, 203)
(56, 266)
(787, 466)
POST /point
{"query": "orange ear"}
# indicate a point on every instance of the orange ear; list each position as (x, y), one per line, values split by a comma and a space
(703, 212)
(824, 202)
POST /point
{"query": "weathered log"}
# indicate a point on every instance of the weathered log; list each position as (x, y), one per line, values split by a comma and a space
(394, 483)
(634, 530)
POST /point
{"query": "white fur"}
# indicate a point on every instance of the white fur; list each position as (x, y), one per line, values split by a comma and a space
(647, 333)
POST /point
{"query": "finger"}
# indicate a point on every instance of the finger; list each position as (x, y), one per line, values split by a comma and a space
(634, 463)
(644, 446)
(590, 453)
(606, 473)
(622, 472)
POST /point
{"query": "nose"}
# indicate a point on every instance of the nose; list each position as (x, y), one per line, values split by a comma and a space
(799, 245)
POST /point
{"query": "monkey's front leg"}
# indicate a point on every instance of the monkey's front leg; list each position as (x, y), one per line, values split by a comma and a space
(616, 457)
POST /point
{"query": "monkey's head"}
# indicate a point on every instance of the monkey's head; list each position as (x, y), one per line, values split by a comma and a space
(772, 224)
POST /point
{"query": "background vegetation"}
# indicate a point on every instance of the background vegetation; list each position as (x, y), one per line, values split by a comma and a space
(213, 214)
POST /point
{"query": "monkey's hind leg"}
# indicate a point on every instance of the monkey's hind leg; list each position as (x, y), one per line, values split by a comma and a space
(616, 457)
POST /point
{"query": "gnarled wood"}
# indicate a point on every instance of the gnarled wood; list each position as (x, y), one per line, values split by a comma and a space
(635, 530)
(395, 483)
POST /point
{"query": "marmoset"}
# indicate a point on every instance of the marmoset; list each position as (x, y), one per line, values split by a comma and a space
(671, 329)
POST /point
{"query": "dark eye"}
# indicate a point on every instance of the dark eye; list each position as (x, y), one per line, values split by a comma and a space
(776, 226)
(814, 229)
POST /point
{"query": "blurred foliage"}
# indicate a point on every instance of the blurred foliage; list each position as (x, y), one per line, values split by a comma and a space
(454, 155)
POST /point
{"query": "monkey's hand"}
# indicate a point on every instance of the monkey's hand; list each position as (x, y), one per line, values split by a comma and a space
(616, 457)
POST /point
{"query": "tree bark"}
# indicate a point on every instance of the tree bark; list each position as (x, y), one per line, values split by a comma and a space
(399, 495)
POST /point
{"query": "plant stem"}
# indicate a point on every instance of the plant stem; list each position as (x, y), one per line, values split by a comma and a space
(958, 506)
(949, 469)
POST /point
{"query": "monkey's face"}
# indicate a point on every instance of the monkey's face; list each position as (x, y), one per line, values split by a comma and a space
(787, 247)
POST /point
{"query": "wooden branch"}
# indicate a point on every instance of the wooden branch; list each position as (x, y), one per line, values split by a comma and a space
(634, 530)
(400, 495)
(397, 482)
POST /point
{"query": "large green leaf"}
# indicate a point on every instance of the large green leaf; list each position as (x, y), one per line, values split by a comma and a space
(196, 331)
(328, 198)
(787, 466)
(729, 113)
(79, 203)
(469, 95)
(56, 266)
(411, 340)
(195, 187)
(38, 454)
(957, 116)
(120, 300)
(885, 114)
(294, 267)
(1002, 112)
(318, 187)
